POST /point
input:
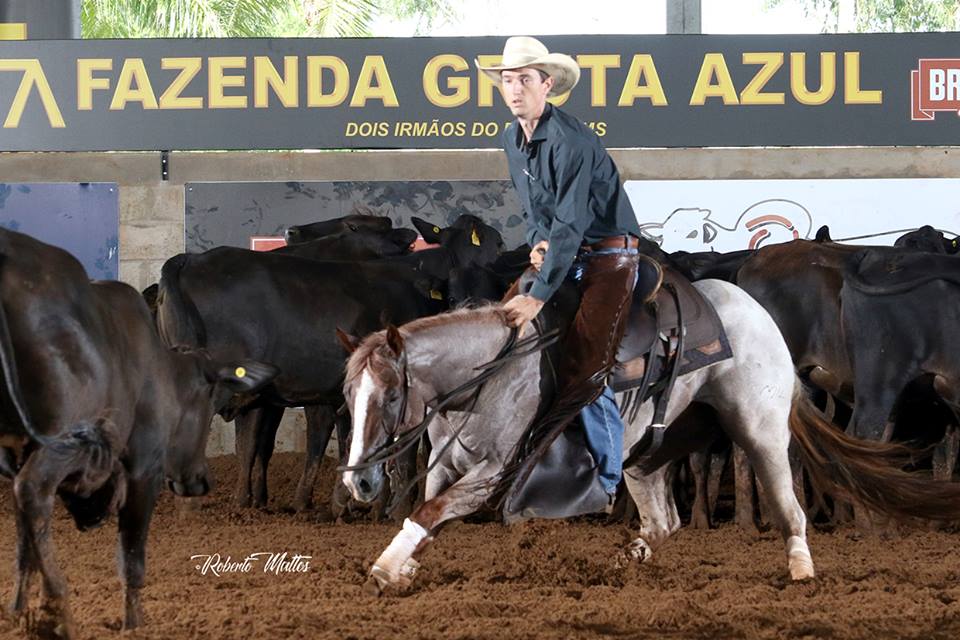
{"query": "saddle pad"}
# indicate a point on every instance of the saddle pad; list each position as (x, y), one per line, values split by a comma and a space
(705, 341)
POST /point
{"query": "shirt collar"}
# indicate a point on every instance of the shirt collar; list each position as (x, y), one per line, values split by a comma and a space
(540, 133)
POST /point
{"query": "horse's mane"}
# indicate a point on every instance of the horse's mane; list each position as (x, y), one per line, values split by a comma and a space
(374, 345)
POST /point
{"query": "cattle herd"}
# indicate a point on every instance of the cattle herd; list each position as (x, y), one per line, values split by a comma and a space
(108, 394)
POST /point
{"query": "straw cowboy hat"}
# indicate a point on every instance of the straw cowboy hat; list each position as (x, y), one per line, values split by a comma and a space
(523, 51)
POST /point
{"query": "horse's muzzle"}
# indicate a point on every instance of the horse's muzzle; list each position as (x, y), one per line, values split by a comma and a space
(364, 485)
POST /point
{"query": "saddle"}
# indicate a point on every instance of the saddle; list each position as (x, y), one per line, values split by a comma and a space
(563, 481)
(653, 329)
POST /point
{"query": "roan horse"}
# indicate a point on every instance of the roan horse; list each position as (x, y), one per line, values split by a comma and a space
(394, 374)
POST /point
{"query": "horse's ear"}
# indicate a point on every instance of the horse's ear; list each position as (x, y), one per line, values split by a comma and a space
(349, 342)
(394, 340)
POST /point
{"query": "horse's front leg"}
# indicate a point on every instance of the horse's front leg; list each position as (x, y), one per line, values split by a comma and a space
(398, 563)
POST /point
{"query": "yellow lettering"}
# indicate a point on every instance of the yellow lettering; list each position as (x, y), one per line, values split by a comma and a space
(460, 85)
(485, 83)
(560, 99)
(32, 75)
(598, 65)
(133, 70)
(13, 30)
(383, 90)
(341, 81)
(264, 74)
(714, 65)
(217, 82)
(752, 93)
(86, 83)
(642, 68)
(798, 78)
(189, 68)
(852, 93)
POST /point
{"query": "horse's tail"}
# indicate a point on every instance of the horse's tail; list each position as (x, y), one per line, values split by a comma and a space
(867, 471)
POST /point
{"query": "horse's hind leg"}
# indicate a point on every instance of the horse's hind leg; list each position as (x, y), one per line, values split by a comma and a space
(765, 437)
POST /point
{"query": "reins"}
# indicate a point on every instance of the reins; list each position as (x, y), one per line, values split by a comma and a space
(512, 349)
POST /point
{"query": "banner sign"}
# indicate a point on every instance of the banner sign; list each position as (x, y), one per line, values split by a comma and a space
(634, 91)
(729, 215)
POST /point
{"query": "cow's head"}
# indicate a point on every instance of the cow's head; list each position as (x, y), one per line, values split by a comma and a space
(469, 239)
(926, 238)
(354, 222)
(206, 387)
(683, 230)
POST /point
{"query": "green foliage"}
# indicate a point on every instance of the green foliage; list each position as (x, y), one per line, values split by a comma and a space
(249, 18)
(883, 15)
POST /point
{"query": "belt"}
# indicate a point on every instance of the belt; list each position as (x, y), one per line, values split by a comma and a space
(626, 241)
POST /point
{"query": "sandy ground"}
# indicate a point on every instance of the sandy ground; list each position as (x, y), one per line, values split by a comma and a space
(535, 580)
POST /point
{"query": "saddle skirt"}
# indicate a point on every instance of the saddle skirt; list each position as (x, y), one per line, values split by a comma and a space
(653, 328)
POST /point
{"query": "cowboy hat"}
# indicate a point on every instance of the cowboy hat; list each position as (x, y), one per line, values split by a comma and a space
(522, 51)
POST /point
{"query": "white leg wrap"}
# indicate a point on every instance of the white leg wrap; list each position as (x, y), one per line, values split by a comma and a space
(798, 559)
(391, 562)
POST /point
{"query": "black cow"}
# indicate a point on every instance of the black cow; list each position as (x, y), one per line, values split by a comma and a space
(362, 244)
(285, 309)
(97, 409)
(710, 264)
(353, 222)
(926, 238)
(900, 313)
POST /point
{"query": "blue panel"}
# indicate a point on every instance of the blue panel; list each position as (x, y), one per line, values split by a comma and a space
(81, 218)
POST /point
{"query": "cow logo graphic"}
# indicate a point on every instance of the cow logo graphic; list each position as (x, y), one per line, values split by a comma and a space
(934, 86)
(766, 222)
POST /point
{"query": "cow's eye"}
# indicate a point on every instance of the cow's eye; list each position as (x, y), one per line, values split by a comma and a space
(692, 234)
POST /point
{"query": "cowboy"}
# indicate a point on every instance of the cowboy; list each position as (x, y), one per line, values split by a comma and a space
(581, 226)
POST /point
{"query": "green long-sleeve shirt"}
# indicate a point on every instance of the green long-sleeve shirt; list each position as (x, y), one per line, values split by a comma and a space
(570, 190)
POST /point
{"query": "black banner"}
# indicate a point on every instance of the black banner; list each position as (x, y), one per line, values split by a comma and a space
(635, 91)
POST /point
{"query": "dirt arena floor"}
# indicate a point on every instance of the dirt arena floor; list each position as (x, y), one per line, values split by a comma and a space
(535, 580)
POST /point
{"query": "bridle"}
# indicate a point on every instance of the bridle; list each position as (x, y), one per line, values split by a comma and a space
(398, 442)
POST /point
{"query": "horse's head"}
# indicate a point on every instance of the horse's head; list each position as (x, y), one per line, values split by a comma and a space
(377, 396)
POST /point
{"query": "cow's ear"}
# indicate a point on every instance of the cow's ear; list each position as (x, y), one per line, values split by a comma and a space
(394, 340)
(247, 376)
(428, 231)
(430, 288)
(402, 237)
(349, 342)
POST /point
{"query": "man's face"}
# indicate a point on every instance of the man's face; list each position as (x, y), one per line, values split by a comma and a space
(524, 92)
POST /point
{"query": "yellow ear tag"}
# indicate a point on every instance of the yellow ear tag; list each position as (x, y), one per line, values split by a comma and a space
(436, 295)
(474, 238)
(436, 229)
(240, 372)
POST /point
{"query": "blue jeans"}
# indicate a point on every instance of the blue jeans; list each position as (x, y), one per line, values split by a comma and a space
(602, 424)
(604, 430)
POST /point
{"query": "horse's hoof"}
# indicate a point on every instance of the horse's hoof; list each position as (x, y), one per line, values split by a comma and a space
(639, 550)
(377, 581)
(801, 569)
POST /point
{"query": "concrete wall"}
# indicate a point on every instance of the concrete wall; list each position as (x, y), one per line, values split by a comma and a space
(152, 210)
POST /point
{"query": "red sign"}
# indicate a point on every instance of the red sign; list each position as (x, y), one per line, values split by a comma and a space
(267, 243)
(935, 86)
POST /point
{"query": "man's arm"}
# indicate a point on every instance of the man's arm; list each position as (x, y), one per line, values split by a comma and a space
(571, 219)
